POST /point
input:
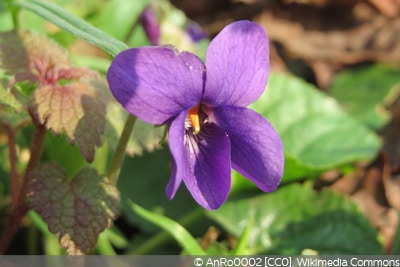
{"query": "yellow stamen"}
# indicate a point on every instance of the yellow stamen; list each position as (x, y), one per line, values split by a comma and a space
(194, 119)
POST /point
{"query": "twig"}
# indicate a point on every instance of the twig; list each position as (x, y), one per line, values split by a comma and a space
(22, 207)
(14, 184)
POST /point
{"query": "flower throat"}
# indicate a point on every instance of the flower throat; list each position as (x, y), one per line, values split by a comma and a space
(196, 117)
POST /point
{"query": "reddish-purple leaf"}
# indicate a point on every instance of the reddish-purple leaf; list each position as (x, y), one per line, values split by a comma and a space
(27, 55)
(64, 100)
(79, 209)
(76, 109)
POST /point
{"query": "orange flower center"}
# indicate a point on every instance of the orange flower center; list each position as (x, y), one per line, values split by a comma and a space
(194, 119)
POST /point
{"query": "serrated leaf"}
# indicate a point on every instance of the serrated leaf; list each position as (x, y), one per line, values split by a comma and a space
(145, 137)
(8, 100)
(13, 56)
(296, 217)
(23, 53)
(14, 120)
(64, 100)
(362, 92)
(316, 133)
(79, 210)
(12, 112)
(24, 59)
(76, 109)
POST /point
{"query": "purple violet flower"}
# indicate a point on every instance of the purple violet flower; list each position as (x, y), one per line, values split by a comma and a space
(195, 32)
(210, 128)
(150, 25)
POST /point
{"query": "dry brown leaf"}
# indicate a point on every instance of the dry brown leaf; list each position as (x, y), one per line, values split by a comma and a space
(366, 187)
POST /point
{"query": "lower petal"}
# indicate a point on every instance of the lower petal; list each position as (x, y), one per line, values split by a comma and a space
(202, 161)
(257, 150)
(208, 155)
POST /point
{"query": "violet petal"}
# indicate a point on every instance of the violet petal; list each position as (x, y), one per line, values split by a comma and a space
(195, 32)
(151, 25)
(257, 150)
(206, 168)
(237, 65)
(208, 155)
(179, 167)
(156, 83)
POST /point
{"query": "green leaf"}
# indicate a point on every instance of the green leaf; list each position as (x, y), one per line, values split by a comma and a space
(76, 109)
(241, 245)
(116, 237)
(316, 133)
(180, 234)
(143, 180)
(50, 240)
(14, 120)
(12, 111)
(363, 91)
(79, 209)
(122, 13)
(74, 25)
(8, 100)
(70, 157)
(295, 218)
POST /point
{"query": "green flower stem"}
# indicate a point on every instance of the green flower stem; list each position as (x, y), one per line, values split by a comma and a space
(14, 13)
(104, 246)
(50, 241)
(33, 242)
(119, 154)
(162, 236)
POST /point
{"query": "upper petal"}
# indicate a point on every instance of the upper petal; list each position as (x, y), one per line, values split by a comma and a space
(237, 65)
(202, 162)
(156, 83)
(257, 150)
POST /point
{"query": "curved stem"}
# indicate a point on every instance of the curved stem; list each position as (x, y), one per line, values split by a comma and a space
(119, 154)
(162, 236)
(14, 13)
(14, 184)
(21, 208)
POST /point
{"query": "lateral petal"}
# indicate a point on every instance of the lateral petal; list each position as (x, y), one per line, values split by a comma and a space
(257, 150)
(156, 83)
(179, 168)
(237, 65)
